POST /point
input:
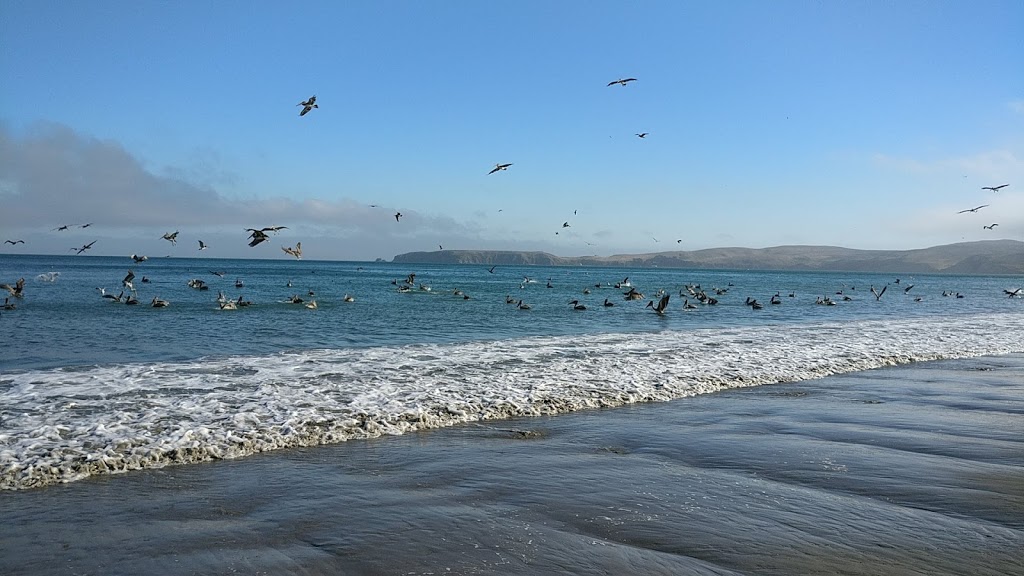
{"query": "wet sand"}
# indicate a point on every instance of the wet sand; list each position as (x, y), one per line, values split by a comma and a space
(916, 469)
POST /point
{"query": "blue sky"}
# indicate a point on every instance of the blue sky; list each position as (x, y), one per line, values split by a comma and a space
(857, 124)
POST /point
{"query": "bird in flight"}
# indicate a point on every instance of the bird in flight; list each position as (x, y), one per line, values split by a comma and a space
(398, 215)
(975, 209)
(297, 251)
(16, 289)
(642, 135)
(84, 247)
(13, 242)
(171, 237)
(565, 224)
(202, 245)
(990, 226)
(622, 81)
(86, 225)
(136, 258)
(498, 167)
(662, 304)
(61, 228)
(994, 188)
(308, 105)
(257, 236)
(439, 247)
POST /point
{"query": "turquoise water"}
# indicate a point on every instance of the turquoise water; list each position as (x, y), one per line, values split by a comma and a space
(89, 386)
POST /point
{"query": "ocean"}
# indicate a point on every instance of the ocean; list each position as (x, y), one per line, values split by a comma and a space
(420, 432)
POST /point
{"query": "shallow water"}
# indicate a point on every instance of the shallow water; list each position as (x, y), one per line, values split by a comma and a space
(915, 469)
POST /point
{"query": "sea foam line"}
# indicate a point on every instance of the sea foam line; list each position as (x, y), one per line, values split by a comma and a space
(62, 425)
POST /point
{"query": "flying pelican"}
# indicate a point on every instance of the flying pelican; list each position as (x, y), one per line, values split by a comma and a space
(622, 81)
(398, 215)
(14, 242)
(642, 135)
(308, 105)
(202, 245)
(61, 228)
(975, 209)
(878, 295)
(990, 227)
(662, 304)
(577, 306)
(84, 247)
(16, 289)
(565, 224)
(257, 236)
(171, 237)
(138, 259)
(498, 167)
(86, 225)
(994, 188)
(297, 251)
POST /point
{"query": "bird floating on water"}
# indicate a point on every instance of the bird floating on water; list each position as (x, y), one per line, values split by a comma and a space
(308, 105)
(15, 290)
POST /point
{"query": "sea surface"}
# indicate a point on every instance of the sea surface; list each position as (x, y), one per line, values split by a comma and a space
(91, 387)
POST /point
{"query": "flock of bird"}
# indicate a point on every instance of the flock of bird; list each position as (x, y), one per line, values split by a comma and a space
(976, 208)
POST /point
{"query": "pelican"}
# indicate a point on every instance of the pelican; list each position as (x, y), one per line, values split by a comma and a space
(994, 188)
(48, 276)
(775, 299)
(907, 289)
(111, 296)
(1013, 293)
(311, 304)
(239, 283)
(171, 237)
(158, 303)
(202, 245)
(522, 306)
(127, 281)
(257, 236)
(14, 242)
(499, 167)
(86, 225)
(662, 304)
(577, 306)
(8, 305)
(510, 300)
(975, 209)
(622, 81)
(217, 274)
(642, 135)
(989, 227)
(491, 270)
(308, 105)
(297, 251)
(633, 294)
(348, 298)
(84, 247)
(61, 228)
(565, 224)
(608, 304)
(131, 300)
(398, 215)
(138, 259)
(16, 289)
(878, 295)
(228, 305)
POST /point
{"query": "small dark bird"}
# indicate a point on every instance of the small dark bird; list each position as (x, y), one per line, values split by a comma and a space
(14, 242)
(565, 224)
(439, 247)
(975, 209)
(642, 135)
(498, 167)
(308, 105)
(84, 247)
(398, 215)
(86, 225)
(491, 270)
(61, 228)
(990, 226)
(202, 245)
(907, 289)
(622, 81)
(994, 188)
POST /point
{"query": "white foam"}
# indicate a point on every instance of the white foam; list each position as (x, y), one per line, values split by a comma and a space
(61, 425)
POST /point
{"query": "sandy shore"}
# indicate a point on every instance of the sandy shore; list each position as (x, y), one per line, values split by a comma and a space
(917, 469)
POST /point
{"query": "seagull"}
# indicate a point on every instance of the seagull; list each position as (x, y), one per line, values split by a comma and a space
(297, 251)
(137, 258)
(622, 81)
(642, 135)
(398, 215)
(308, 105)
(498, 167)
(975, 209)
(994, 188)
(171, 237)
(14, 242)
(990, 227)
(16, 289)
(662, 304)
(84, 247)
(202, 245)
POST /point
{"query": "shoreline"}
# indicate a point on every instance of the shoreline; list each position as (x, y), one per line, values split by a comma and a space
(898, 470)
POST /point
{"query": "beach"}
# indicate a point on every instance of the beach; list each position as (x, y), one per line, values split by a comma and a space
(912, 469)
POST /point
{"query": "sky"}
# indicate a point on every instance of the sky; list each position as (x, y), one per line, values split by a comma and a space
(859, 124)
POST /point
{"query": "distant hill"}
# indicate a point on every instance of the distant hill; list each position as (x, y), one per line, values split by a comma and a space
(985, 257)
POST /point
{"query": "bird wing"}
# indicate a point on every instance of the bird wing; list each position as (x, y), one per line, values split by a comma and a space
(493, 170)
(304, 110)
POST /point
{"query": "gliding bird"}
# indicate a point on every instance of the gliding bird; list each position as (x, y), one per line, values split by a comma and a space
(975, 209)
(308, 105)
